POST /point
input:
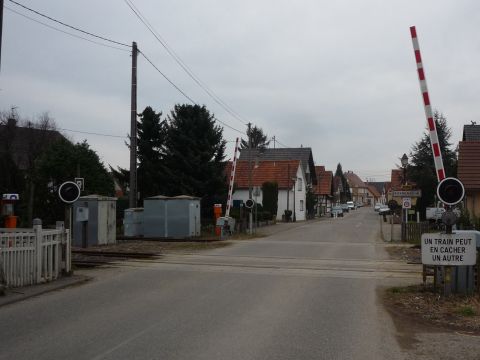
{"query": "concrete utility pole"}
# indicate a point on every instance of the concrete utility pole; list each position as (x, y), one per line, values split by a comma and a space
(1, 27)
(250, 217)
(133, 132)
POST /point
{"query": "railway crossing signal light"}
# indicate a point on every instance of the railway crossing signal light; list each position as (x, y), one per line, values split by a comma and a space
(249, 203)
(450, 191)
(69, 192)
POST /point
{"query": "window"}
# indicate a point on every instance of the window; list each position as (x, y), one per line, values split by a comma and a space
(299, 184)
(301, 205)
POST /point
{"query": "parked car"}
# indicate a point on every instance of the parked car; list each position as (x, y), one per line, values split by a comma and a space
(359, 204)
(336, 210)
(345, 208)
(377, 206)
(384, 209)
(351, 205)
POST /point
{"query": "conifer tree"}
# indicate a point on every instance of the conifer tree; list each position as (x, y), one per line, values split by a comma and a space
(421, 168)
(194, 153)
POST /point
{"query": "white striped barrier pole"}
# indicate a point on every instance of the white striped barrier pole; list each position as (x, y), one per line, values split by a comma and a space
(232, 178)
(437, 154)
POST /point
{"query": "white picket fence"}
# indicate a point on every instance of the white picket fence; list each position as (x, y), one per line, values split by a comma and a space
(33, 256)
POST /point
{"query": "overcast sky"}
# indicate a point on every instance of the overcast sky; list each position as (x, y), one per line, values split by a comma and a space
(337, 76)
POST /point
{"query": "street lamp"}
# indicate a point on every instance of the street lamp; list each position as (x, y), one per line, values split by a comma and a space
(404, 161)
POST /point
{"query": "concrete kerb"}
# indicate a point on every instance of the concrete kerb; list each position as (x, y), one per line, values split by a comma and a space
(23, 293)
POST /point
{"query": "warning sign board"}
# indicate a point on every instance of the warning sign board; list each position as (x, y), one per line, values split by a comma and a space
(449, 249)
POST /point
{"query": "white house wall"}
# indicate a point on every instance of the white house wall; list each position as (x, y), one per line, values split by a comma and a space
(299, 196)
(242, 194)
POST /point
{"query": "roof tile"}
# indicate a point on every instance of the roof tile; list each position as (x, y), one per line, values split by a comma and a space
(324, 186)
(280, 172)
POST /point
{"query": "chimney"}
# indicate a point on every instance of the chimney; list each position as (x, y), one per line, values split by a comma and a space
(11, 122)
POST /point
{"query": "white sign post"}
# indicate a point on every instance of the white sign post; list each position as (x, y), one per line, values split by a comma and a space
(449, 249)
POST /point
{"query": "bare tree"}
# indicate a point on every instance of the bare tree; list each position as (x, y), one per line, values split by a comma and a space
(37, 135)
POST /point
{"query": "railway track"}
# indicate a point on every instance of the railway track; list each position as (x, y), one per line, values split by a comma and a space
(84, 258)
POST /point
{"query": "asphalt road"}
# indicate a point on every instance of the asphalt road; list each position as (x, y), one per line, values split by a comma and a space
(306, 291)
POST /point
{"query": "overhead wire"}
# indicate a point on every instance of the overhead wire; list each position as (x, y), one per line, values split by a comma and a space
(182, 64)
(117, 48)
(167, 78)
(64, 32)
(278, 142)
(69, 26)
(95, 133)
(182, 92)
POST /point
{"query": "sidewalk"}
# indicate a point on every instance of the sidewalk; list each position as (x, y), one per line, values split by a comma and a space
(19, 294)
(389, 232)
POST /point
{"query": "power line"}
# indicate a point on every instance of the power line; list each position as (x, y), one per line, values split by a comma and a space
(182, 64)
(182, 92)
(278, 142)
(111, 41)
(63, 31)
(166, 78)
(94, 133)
(69, 26)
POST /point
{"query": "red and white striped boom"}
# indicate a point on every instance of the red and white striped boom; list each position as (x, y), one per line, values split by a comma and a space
(232, 178)
(437, 154)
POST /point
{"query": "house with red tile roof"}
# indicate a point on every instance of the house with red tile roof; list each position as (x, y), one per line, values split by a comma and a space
(361, 191)
(373, 195)
(323, 190)
(288, 174)
(468, 171)
(398, 182)
(358, 189)
(378, 189)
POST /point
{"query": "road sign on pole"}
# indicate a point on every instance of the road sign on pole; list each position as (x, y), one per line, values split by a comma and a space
(407, 193)
(449, 249)
(406, 203)
(80, 183)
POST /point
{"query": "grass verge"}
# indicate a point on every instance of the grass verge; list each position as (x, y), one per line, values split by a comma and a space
(419, 303)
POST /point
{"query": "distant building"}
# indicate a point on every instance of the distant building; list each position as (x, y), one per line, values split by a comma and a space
(323, 191)
(288, 174)
(469, 167)
(358, 188)
(380, 187)
(304, 154)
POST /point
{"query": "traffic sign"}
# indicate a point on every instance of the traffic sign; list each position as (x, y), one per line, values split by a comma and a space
(69, 192)
(407, 193)
(406, 203)
(10, 197)
(449, 249)
(81, 183)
